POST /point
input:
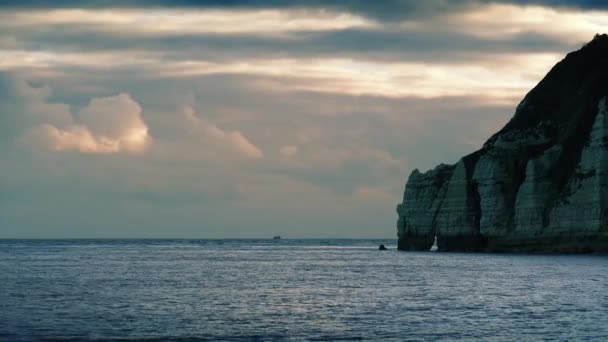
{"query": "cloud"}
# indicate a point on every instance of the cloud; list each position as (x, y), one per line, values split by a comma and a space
(454, 53)
(233, 140)
(353, 156)
(289, 150)
(334, 101)
(77, 138)
(503, 77)
(504, 21)
(178, 22)
(106, 125)
(114, 116)
(388, 10)
(86, 45)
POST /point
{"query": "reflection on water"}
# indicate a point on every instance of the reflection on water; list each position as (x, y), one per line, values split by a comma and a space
(294, 289)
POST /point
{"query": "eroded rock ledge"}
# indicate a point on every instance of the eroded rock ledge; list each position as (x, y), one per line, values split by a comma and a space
(538, 185)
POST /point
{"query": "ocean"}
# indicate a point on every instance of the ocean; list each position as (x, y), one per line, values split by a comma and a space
(276, 290)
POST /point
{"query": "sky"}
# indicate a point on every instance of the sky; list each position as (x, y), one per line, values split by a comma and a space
(248, 119)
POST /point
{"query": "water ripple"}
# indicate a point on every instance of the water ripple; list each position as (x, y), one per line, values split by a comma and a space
(242, 290)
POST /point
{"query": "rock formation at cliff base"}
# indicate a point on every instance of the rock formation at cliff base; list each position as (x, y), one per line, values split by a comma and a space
(538, 185)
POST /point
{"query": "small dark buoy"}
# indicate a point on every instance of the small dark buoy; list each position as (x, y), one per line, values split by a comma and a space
(382, 248)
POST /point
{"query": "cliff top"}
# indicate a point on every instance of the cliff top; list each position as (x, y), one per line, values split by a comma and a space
(581, 77)
(559, 110)
(599, 42)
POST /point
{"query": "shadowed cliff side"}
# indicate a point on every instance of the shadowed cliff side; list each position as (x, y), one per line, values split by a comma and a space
(538, 185)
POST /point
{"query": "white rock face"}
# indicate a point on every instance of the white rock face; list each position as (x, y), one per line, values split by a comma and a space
(417, 216)
(457, 215)
(535, 192)
(539, 184)
(508, 200)
(497, 184)
(584, 210)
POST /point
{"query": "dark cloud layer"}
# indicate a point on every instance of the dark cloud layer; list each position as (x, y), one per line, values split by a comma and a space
(379, 9)
(382, 10)
(449, 47)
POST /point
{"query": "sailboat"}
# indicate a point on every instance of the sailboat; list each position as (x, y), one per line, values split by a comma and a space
(434, 246)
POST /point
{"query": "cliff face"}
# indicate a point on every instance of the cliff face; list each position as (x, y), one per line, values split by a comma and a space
(539, 184)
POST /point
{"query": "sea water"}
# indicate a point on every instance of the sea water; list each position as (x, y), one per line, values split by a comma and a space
(293, 290)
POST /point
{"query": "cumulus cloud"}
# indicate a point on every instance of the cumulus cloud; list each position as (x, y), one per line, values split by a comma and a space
(76, 137)
(111, 124)
(118, 119)
(232, 140)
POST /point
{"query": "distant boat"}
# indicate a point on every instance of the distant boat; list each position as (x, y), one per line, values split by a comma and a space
(276, 237)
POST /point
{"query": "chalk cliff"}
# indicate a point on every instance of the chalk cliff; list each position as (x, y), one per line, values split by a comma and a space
(539, 185)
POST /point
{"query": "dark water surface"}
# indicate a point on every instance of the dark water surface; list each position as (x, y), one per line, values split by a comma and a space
(293, 290)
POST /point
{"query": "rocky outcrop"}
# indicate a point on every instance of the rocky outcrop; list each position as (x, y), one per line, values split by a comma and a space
(538, 185)
(416, 227)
